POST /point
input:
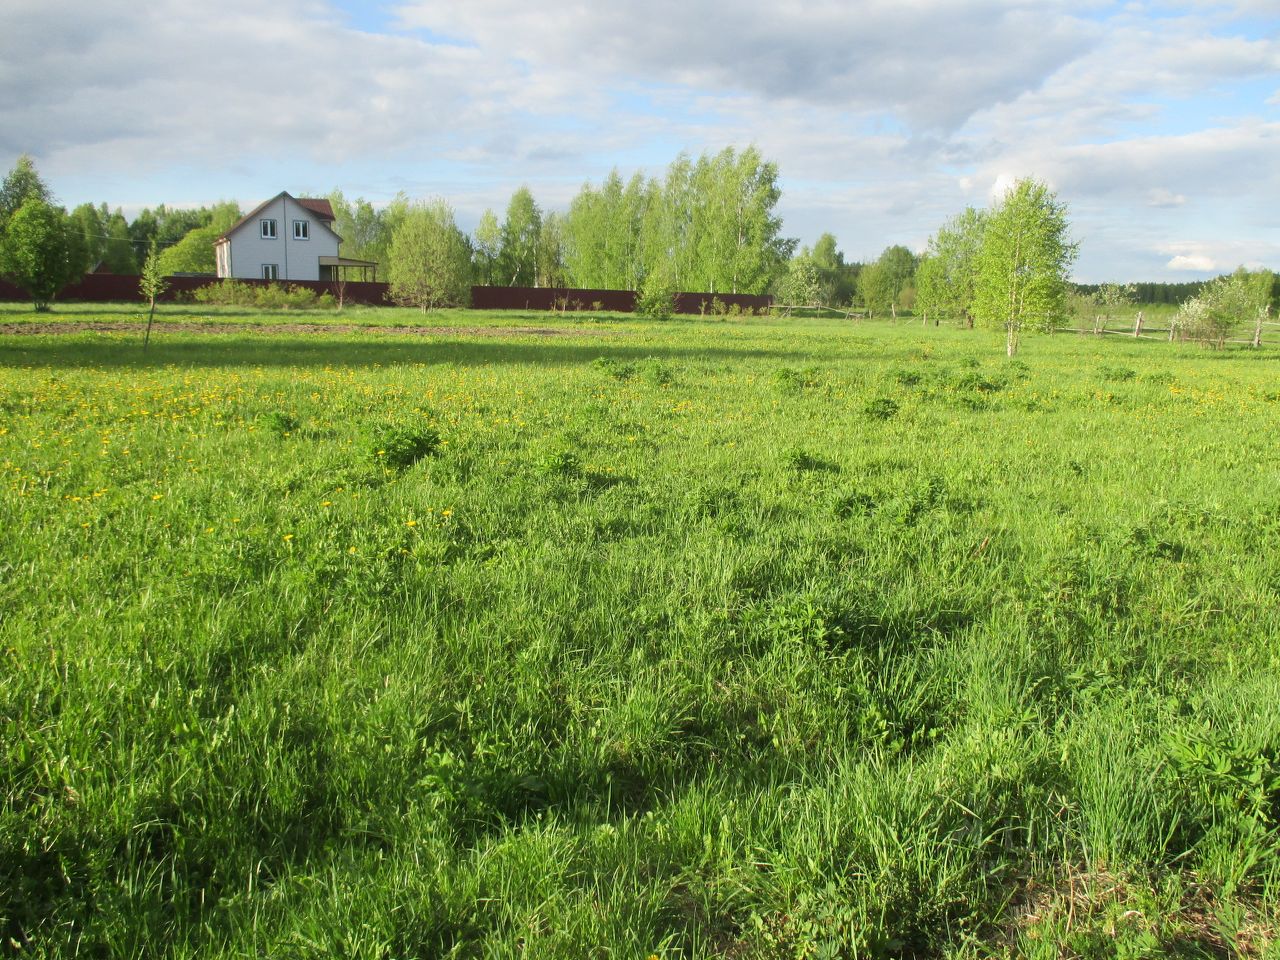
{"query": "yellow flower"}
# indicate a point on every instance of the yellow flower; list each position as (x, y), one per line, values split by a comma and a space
(157, 496)
(288, 537)
(411, 523)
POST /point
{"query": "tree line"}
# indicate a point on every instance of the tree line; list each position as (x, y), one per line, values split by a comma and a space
(707, 224)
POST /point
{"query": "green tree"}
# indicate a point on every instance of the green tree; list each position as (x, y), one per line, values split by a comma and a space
(1023, 263)
(1225, 305)
(550, 253)
(167, 225)
(946, 277)
(21, 184)
(518, 250)
(90, 224)
(802, 284)
(429, 263)
(365, 231)
(40, 251)
(837, 279)
(488, 241)
(117, 253)
(875, 289)
(194, 253)
(152, 284)
(897, 270)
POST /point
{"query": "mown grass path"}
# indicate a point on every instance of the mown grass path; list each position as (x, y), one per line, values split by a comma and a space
(755, 638)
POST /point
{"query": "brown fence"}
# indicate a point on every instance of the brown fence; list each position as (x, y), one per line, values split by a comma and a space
(622, 301)
(114, 288)
(120, 288)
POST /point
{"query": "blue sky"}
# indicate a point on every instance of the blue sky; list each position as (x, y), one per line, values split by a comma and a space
(1157, 123)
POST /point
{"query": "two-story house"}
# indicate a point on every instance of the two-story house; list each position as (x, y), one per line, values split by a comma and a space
(287, 238)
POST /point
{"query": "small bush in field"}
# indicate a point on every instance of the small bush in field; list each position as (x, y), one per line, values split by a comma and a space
(882, 408)
(402, 445)
(657, 299)
(279, 422)
(563, 463)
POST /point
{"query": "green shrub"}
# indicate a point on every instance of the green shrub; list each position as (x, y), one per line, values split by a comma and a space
(279, 422)
(401, 445)
(657, 299)
(562, 463)
(271, 296)
(882, 408)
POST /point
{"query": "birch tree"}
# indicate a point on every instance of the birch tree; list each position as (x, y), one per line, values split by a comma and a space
(429, 263)
(1023, 263)
(946, 278)
(518, 249)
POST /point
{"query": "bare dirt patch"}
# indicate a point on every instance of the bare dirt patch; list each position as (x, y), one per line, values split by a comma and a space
(113, 326)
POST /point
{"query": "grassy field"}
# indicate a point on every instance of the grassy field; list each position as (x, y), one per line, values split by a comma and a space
(753, 639)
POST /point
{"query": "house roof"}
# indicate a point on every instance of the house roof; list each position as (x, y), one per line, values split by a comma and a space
(320, 207)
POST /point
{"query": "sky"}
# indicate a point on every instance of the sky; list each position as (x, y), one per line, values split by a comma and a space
(1157, 123)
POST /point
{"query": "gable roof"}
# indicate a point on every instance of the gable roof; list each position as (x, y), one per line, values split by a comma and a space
(320, 207)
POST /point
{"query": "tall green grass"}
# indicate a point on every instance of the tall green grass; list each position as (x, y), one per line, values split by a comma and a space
(756, 638)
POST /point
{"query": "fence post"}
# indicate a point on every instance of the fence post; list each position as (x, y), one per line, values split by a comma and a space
(1137, 326)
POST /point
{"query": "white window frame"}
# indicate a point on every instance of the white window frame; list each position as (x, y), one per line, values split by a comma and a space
(267, 229)
(302, 229)
(271, 271)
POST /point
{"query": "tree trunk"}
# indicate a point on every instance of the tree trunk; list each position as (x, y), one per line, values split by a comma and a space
(147, 337)
(1137, 326)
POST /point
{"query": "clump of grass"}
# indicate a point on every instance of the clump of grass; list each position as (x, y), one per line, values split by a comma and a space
(881, 408)
(977, 382)
(279, 422)
(1118, 374)
(613, 368)
(791, 381)
(401, 445)
(801, 460)
(562, 463)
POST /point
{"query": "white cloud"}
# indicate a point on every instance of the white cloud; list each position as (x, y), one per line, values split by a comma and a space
(1160, 197)
(1193, 263)
(918, 60)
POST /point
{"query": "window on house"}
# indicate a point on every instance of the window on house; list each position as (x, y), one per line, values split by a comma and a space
(301, 230)
(268, 229)
(270, 271)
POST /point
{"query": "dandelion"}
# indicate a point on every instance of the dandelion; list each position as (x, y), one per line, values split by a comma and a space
(287, 537)
(411, 523)
(157, 496)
